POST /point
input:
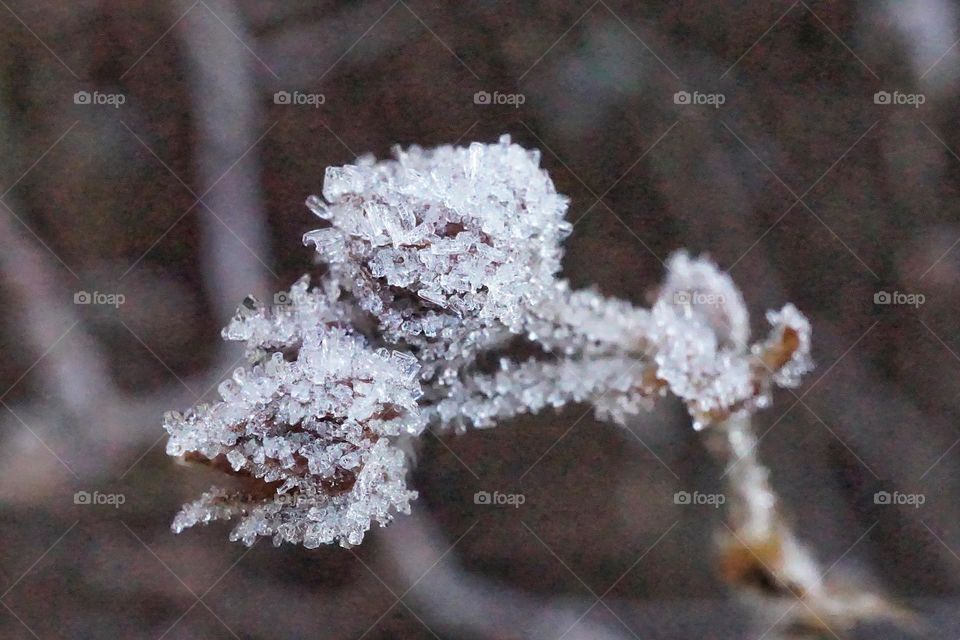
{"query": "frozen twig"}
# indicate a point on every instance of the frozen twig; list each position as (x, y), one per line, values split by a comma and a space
(437, 260)
(762, 558)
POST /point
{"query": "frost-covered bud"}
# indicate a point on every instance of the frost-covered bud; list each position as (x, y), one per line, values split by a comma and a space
(310, 440)
(698, 340)
(710, 378)
(447, 246)
(697, 288)
(698, 334)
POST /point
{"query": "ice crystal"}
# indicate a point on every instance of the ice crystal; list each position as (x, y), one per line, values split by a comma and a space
(616, 385)
(281, 327)
(448, 248)
(437, 262)
(310, 438)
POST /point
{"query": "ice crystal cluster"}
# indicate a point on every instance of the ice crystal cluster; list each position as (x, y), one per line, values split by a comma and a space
(448, 248)
(308, 426)
(436, 263)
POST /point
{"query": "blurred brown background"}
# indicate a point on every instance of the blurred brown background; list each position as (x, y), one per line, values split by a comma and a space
(177, 180)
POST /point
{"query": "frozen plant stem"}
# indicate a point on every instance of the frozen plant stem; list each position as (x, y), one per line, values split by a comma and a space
(436, 263)
(761, 557)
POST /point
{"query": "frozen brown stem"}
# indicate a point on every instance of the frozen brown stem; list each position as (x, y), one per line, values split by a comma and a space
(762, 559)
